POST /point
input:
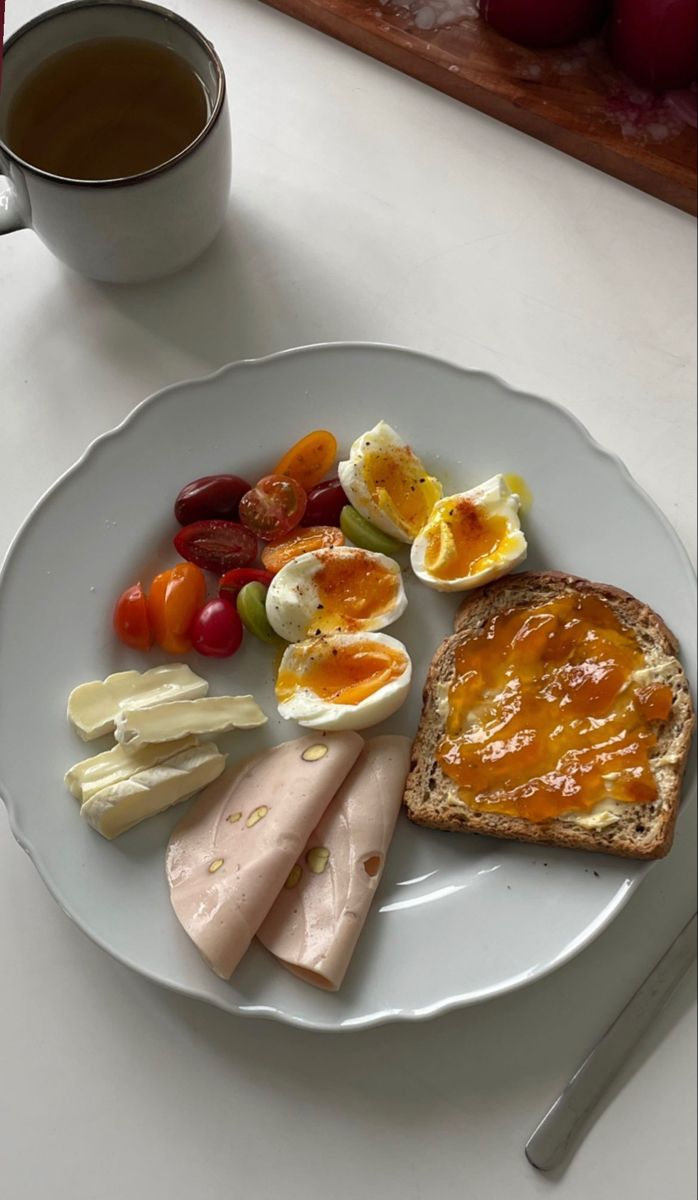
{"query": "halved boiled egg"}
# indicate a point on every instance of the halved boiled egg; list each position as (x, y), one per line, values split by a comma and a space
(343, 680)
(342, 588)
(470, 539)
(387, 483)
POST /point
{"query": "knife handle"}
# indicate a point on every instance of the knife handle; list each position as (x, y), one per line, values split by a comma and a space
(556, 1136)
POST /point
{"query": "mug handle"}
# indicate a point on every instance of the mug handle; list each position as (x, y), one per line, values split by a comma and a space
(10, 215)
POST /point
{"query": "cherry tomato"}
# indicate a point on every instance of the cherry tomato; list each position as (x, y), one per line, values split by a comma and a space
(273, 508)
(325, 503)
(234, 581)
(309, 459)
(174, 598)
(131, 621)
(319, 537)
(210, 496)
(216, 546)
(217, 629)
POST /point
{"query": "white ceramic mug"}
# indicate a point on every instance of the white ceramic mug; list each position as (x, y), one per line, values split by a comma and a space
(141, 226)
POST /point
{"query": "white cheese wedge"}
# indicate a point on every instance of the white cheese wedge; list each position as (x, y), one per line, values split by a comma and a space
(122, 805)
(165, 722)
(93, 706)
(119, 763)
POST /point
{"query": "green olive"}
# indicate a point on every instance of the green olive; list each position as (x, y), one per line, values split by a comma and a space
(365, 535)
(252, 609)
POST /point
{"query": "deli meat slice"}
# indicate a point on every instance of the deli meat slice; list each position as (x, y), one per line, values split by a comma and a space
(315, 923)
(229, 858)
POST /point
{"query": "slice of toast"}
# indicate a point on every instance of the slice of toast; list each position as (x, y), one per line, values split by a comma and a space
(642, 831)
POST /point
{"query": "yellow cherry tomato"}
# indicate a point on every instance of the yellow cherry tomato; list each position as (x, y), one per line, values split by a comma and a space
(310, 459)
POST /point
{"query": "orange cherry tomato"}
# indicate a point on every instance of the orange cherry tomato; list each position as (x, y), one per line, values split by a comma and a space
(174, 599)
(310, 459)
(131, 621)
(301, 541)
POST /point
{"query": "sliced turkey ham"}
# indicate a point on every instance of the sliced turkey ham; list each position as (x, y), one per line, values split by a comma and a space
(316, 920)
(229, 858)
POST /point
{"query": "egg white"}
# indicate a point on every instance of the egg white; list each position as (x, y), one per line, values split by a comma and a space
(352, 476)
(495, 498)
(292, 598)
(312, 712)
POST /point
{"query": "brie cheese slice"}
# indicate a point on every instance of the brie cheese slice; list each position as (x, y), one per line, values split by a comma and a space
(93, 706)
(165, 722)
(119, 763)
(122, 805)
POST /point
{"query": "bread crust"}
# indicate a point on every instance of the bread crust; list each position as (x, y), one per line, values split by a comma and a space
(643, 831)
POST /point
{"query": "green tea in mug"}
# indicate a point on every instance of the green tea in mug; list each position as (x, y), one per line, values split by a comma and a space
(108, 108)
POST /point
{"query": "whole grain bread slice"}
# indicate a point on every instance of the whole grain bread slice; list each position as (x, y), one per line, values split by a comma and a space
(642, 831)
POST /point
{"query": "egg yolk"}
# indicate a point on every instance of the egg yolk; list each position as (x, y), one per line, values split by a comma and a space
(518, 485)
(351, 589)
(545, 716)
(400, 486)
(341, 674)
(464, 539)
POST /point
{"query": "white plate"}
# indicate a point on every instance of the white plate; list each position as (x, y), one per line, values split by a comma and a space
(457, 919)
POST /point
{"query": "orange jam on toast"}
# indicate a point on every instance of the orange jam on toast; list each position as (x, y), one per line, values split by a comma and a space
(545, 715)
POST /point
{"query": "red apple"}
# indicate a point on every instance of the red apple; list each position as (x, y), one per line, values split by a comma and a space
(543, 23)
(656, 41)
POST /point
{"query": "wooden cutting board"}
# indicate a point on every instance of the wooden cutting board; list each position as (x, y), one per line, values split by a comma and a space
(572, 99)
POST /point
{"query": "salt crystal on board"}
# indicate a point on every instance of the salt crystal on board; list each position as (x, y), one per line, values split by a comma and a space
(436, 14)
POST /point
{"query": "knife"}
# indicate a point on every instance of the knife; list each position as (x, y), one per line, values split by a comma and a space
(555, 1138)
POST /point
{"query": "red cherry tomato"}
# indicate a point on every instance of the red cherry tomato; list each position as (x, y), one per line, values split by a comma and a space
(217, 629)
(174, 598)
(274, 507)
(545, 22)
(209, 497)
(131, 621)
(216, 546)
(325, 503)
(232, 583)
(656, 41)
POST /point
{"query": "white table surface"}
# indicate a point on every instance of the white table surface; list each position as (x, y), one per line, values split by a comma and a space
(365, 206)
